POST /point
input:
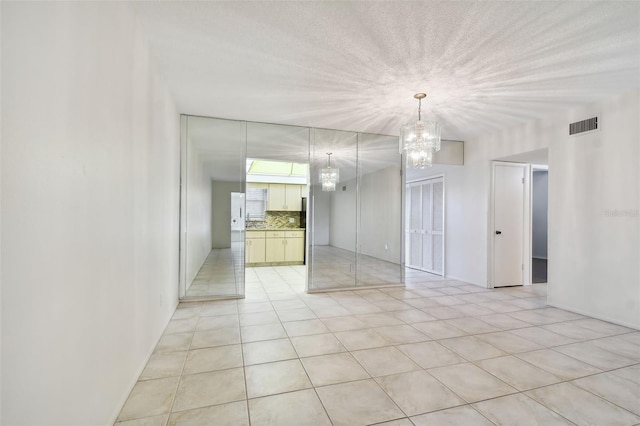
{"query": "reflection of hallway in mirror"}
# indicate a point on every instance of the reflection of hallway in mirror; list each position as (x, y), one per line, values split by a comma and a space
(220, 273)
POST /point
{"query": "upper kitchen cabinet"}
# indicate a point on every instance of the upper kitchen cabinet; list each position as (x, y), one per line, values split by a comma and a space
(285, 197)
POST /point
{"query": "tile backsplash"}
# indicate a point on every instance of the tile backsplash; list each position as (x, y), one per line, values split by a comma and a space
(276, 219)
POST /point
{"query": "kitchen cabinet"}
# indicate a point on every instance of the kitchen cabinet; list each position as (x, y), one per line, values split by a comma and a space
(284, 246)
(285, 197)
(255, 248)
(294, 246)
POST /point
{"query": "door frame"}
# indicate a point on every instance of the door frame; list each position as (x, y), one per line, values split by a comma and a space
(444, 220)
(526, 229)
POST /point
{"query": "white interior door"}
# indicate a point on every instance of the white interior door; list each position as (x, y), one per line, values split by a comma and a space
(508, 232)
(425, 226)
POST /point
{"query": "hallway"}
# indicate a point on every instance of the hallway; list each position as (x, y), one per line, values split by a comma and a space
(437, 352)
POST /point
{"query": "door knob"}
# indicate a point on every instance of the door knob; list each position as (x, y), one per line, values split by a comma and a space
(498, 232)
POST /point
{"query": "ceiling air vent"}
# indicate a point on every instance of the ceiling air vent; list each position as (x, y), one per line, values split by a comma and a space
(583, 126)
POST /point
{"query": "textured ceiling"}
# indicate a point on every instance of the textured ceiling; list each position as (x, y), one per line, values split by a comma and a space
(356, 65)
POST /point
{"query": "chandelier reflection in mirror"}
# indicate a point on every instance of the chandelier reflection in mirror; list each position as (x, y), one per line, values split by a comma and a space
(420, 139)
(329, 176)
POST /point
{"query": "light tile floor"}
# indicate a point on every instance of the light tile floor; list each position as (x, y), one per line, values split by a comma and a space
(436, 352)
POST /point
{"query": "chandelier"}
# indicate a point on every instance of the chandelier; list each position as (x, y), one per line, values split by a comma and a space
(420, 139)
(329, 176)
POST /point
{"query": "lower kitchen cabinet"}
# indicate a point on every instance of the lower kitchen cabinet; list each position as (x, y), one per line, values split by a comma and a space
(275, 247)
(254, 251)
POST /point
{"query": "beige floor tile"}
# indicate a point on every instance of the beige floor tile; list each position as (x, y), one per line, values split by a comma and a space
(417, 392)
(458, 416)
(614, 388)
(570, 329)
(518, 373)
(256, 333)
(331, 311)
(444, 313)
(519, 410)
(149, 398)
(358, 403)
(430, 354)
(257, 318)
(296, 314)
(591, 354)
(472, 348)
(212, 388)
(317, 344)
(563, 366)
(379, 320)
(181, 325)
(301, 408)
(470, 382)
(630, 373)
(275, 377)
(413, 315)
(400, 422)
(164, 365)
(336, 368)
(619, 346)
(186, 313)
(346, 323)
(216, 337)
(211, 359)
(217, 309)
(582, 407)
(473, 310)
(305, 327)
(283, 305)
(218, 321)
(543, 337)
(146, 421)
(399, 334)
(247, 308)
(384, 361)
(174, 342)
(509, 342)
(438, 330)
(602, 326)
(472, 325)
(361, 339)
(268, 351)
(231, 414)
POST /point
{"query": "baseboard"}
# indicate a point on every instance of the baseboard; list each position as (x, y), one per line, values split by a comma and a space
(591, 315)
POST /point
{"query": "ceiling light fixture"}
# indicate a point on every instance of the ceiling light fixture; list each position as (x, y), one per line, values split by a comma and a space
(329, 176)
(420, 139)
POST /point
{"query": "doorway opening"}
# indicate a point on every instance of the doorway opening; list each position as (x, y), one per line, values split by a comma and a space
(518, 220)
(539, 223)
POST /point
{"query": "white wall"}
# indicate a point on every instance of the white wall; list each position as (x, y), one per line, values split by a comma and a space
(198, 211)
(593, 258)
(380, 214)
(539, 214)
(594, 214)
(321, 218)
(221, 212)
(89, 210)
(342, 217)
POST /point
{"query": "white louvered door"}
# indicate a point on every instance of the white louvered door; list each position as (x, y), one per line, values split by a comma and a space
(425, 225)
